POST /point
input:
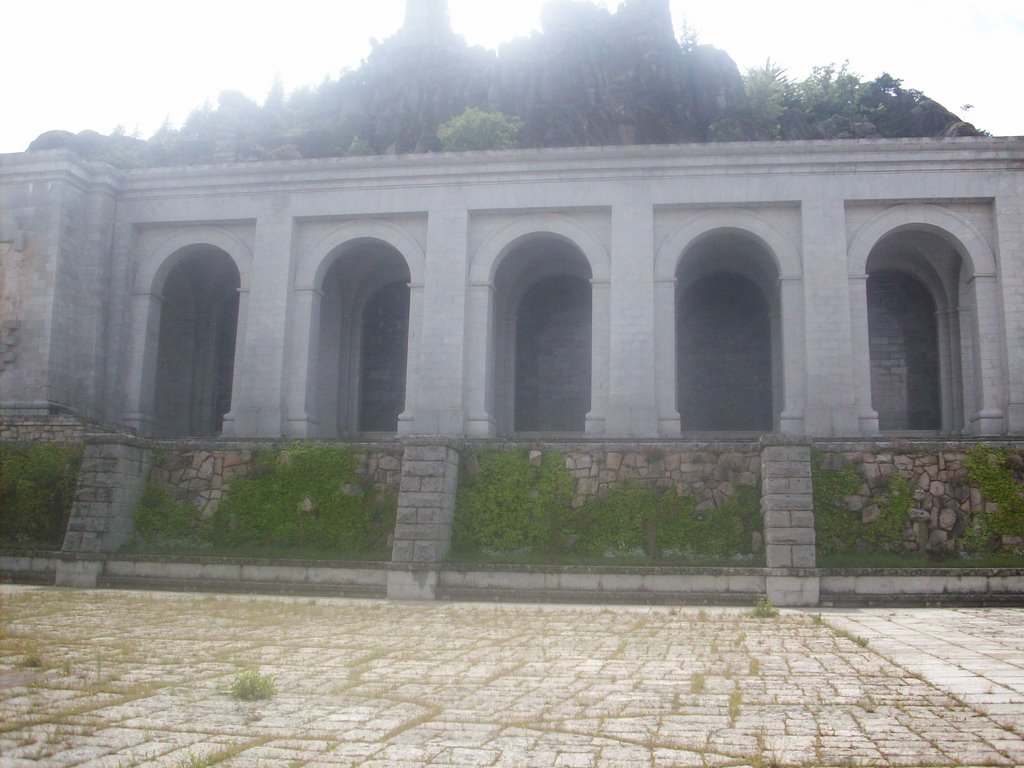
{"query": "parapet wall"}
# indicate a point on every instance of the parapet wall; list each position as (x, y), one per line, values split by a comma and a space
(942, 505)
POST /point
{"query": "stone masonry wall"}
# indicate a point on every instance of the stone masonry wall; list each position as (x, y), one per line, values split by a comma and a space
(710, 474)
(109, 485)
(944, 504)
(202, 475)
(41, 429)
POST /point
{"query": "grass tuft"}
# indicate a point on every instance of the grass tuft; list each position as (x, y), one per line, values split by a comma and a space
(251, 685)
(764, 609)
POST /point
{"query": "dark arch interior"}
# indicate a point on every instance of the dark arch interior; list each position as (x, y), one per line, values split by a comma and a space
(385, 336)
(904, 352)
(552, 355)
(196, 347)
(724, 355)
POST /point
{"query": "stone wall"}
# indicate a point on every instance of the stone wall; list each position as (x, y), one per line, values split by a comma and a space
(708, 473)
(944, 502)
(202, 475)
(41, 429)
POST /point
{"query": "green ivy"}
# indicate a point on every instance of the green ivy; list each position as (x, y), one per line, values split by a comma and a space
(161, 522)
(839, 531)
(510, 508)
(836, 529)
(992, 471)
(893, 504)
(305, 498)
(37, 490)
(511, 505)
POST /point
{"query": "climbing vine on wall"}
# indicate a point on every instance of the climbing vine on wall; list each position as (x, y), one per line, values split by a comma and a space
(307, 499)
(839, 530)
(37, 490)
(996, 473)
(510, 507)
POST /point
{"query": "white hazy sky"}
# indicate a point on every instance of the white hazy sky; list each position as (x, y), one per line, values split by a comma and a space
(73, 65)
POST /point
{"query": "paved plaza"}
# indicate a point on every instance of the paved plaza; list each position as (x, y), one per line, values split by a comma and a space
(104, 678)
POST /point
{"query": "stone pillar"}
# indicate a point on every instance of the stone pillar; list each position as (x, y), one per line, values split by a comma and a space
(831, 408)
(788, 505)
(1009, 216)
(438, 397)
(632, 404)
(600, 329)
(665, 356)
(426, 508)
(258, 410)
(480, 417)
(990, 419)
(110, 483)
(300, 397)
(794, 372)
(140, 381)
(861, 347)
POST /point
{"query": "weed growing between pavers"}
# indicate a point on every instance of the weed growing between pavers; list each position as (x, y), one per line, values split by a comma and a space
(252, 685)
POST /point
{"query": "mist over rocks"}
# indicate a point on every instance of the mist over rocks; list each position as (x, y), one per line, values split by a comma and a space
(591, 77)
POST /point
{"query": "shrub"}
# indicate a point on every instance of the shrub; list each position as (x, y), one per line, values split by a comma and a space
(37, 490)
(476, 129)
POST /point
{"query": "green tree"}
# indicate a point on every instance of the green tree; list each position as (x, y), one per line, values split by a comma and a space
(767, 89)
(476, 129)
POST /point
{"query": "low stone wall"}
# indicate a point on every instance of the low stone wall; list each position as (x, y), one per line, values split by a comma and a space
(944, 502)
(709, 472)
(202, 475)
(60, 428)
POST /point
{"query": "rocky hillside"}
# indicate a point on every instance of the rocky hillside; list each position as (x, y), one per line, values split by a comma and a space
(590, 78)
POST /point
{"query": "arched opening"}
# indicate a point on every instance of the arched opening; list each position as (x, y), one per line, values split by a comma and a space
(543, 344)
(196, 346)
(728, 355)
(553, 356)
(904, 352)
(363, 340)
(385, 338)
(915, 341)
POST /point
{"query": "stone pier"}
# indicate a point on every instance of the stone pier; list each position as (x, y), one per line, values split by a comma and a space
(426, 507)
(787, 501)
(111, 480)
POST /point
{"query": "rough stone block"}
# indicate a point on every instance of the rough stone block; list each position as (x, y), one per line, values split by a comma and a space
(776, 518)
(402, 551)
(787, 503)
(779, 555)
(789, 535)
(424, 468)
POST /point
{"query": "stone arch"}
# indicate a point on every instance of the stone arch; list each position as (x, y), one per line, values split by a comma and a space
(147, 319)
(950, 226)
(313, 265)
(498, 285)
(779, 246)
(196, 341)
(490, 255)
(728, 334)
(543, 336)
(154, 268)
(358, 276)
(952, 261)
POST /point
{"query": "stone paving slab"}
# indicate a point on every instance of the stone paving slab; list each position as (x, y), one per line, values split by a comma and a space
(106, 679)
